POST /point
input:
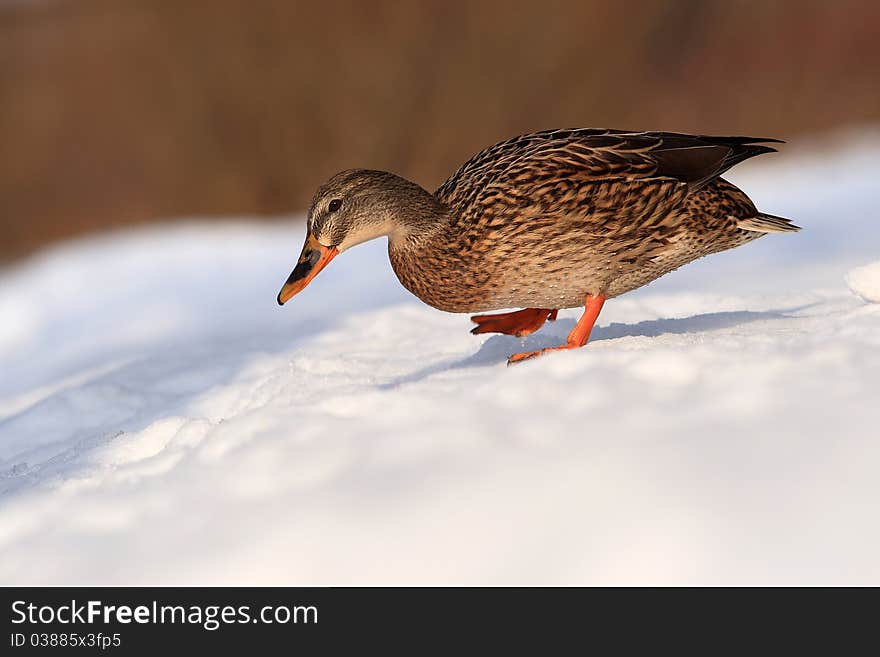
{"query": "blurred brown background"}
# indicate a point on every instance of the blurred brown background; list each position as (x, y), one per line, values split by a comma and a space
(116, 112)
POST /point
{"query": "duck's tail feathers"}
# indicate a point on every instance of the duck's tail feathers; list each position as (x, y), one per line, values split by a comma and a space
(742, 152)
(767, 223)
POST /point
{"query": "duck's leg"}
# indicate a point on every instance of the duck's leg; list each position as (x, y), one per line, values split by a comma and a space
(518, 323)
(579, 334)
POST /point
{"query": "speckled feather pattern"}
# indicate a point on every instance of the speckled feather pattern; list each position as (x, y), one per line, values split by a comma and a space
(543, 220)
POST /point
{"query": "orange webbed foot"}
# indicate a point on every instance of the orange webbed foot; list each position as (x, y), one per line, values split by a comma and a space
(579, 335)
(528, 355)
(519, 323)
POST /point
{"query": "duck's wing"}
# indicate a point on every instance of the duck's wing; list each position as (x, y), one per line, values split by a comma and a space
(590, 173)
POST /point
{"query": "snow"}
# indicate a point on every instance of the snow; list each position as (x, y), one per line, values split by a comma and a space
(865, 282)
(163, 421)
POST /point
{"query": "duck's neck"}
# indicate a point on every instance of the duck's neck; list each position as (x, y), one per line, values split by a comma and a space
(415, 216)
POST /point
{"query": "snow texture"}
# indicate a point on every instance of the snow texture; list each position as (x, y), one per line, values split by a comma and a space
(865, 282)
(163, 421)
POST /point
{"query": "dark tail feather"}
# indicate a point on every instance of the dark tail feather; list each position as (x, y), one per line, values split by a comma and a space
(740, 153)
(734, 141)
(697, 160)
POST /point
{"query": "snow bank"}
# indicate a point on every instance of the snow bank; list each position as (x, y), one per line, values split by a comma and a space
(163, 421)
(865, 282)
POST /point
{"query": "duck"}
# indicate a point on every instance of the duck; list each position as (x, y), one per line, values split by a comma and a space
(555, 219)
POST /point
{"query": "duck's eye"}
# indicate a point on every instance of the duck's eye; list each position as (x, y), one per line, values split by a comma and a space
(335, 204)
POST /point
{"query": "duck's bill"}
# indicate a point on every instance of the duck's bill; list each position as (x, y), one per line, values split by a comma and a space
(313, 259)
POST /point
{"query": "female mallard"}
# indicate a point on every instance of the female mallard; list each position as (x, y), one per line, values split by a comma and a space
(554, 219)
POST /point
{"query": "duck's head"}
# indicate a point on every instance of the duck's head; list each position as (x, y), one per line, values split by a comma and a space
(352, 207)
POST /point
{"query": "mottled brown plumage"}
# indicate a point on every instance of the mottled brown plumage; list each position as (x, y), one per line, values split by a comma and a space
(547, 220)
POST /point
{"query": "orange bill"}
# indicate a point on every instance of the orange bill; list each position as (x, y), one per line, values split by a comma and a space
(313, 259)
